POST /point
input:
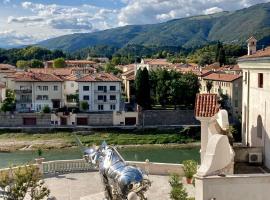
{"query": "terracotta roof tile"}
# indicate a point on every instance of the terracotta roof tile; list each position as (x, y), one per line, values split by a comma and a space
(99, 77)
(259, 54)
(206, 105)
(222, 77)
(37, 77)
(157, 62)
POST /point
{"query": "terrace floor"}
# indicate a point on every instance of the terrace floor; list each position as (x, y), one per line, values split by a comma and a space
(87, 186)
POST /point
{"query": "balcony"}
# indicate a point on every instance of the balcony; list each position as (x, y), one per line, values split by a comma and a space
(24, 91)
(106, 91)
(24, 101)
(105, 102)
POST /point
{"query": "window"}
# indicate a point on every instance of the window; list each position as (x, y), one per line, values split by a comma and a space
(39, 97)
(112, 107)
(259, 127)
(100, 107)
(102, 98)
(45, 97)
(260, 80)
(102, 88)
(236, 103)
(39, 88)
(246, 77)
(85, 88)
(55, 87)
(112, 97)
(112, 88)
(86, 98)
(45, 88)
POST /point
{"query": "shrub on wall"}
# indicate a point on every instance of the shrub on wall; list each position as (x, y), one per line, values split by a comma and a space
(46, 109)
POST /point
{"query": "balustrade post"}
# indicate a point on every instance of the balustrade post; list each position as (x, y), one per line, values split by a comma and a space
(39, 162)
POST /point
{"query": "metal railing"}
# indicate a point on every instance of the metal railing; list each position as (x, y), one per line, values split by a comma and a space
(64, 166)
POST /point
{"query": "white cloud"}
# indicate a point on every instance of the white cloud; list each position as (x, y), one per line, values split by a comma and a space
(212, 10)
(49, 20)
(12, 37)
(154, 11)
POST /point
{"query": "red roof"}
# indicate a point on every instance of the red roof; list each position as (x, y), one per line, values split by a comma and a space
(156, 62)
(222, 77)
(259, 54)
(37, 77)
(99, 77)
(206, 105)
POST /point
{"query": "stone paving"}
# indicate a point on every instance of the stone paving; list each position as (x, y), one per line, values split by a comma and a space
(87, 186)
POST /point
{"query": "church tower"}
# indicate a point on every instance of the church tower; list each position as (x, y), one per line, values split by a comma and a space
(252, 45)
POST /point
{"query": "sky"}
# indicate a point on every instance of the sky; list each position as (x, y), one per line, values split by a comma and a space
(28, 22)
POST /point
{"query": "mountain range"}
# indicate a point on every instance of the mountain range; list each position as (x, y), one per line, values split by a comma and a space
(228, 27)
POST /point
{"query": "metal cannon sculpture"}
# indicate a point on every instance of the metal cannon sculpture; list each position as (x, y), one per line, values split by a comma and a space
(121, 181)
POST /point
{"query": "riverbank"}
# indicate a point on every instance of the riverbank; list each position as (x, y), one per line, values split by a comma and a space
(59, 140)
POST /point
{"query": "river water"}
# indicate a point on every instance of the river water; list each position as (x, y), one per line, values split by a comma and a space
(154, 154)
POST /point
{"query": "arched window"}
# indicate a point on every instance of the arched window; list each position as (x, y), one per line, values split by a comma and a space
(259, 127)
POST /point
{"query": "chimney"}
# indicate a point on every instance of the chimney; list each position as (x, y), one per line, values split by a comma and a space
(252, 45)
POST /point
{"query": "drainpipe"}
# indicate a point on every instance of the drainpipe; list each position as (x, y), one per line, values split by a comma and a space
(247, 128)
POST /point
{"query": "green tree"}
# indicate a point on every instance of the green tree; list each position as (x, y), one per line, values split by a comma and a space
(21, 181)
(209, 85)
(35, 63)
(142, 87)
(110, 68)
(23, 64)
(46, 109)
(59, 63)
(84, 105)
(9, 102)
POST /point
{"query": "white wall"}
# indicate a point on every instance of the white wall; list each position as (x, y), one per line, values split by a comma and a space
(93, 94)
(256, 102)
(236, 187)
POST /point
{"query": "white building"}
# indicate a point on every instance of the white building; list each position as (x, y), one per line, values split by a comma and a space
(102, 92)
(256, 99)
(34, 91)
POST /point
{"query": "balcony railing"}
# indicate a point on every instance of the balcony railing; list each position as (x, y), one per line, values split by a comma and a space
(107, 91)
(24, 91)
(105, 102)
(24, 101)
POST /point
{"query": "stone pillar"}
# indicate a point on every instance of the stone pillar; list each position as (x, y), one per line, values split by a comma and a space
(39, 162)
(204, 134)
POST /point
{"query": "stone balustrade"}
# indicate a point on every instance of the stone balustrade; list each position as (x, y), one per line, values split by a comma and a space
(66, 166)
(80, 165)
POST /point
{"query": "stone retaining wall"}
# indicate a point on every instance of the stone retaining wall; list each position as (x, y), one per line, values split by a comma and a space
(167, 117)
(14, 120)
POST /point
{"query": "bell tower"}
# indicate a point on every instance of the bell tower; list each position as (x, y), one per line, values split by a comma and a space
(252, 45)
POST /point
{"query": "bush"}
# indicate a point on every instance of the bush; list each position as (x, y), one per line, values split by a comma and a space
(178, 192)
(22, 181)
(190, 168)
(46, 109)
(84, 105)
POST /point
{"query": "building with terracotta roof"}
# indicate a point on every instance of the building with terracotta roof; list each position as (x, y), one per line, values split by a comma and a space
(226, 84)
(102, 92)
(153, 64)
(5, 71)
(34, 91)
(256, 99)
(128, 79)
(74, 63)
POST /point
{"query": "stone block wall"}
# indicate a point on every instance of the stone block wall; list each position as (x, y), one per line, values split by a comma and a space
(167, 117)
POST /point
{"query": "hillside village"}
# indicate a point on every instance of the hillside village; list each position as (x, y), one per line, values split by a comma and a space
(83, 86)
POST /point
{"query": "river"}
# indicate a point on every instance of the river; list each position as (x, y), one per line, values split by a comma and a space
(154, 154)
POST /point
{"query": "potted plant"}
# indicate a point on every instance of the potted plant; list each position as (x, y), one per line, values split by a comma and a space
(190, 168)
(39, 160)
